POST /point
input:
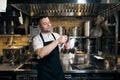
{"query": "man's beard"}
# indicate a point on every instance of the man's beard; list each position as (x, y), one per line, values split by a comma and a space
(46, 31)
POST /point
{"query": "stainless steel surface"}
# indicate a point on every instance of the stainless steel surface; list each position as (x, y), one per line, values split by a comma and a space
(84, 68)
(75, 31)
(116, 14)
(28, 66)
(64, 1)
(14, 55)
(60, 30)
(34, 30)
(87, 27)
(63, 9)
(7, 67)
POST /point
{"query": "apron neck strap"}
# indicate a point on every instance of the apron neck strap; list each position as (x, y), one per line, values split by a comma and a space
(43, 38)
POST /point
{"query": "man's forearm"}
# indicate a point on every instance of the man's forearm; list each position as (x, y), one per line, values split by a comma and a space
(42, 52)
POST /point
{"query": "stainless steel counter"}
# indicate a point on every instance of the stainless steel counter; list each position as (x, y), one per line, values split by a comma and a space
(8, 67)
(91, 71)
(30, 72)
(69, 71)
(31, 67)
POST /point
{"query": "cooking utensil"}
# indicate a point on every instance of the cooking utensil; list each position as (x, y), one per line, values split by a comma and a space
(60, 30)
(75, 31)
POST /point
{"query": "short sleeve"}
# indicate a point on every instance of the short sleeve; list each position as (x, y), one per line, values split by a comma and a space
(37, 42)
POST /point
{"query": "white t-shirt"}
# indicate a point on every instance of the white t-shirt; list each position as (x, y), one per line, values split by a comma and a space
(38, 43)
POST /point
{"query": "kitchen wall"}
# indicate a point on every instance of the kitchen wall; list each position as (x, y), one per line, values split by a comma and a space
(67, 23)
(23, 40)
(8, 41)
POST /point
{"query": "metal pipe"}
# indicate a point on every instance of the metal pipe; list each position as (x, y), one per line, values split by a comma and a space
(116, 14)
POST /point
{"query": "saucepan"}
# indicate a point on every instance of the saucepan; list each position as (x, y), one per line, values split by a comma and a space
(60, 30)
(75, 31)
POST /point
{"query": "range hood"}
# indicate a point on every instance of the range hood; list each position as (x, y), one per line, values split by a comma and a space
(66, 7)
(62, 1)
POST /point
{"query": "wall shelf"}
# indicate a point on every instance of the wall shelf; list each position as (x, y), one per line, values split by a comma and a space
(91, 37)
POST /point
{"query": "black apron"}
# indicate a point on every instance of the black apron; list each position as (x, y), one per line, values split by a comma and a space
(49, 67)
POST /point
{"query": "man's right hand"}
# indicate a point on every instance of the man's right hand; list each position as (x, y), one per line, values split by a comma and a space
(62, 39)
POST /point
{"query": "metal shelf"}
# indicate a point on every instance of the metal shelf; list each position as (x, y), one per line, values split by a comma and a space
(91, 37)
(11, 35)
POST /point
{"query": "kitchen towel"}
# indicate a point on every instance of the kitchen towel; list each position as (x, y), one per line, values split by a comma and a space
(3, 5)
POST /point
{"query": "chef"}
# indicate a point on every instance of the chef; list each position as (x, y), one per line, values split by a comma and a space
(46, 46)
